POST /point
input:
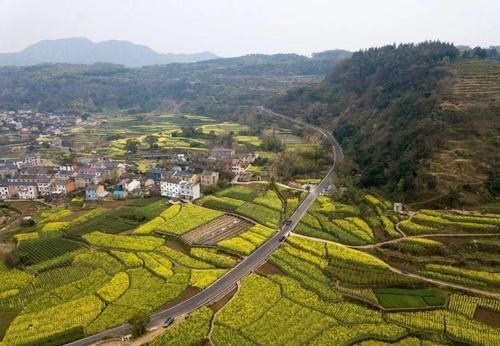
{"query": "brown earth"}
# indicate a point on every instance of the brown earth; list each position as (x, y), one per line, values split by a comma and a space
(175, 245)
(223, 301)
(269, 269)
(188, 293)
(488, 317)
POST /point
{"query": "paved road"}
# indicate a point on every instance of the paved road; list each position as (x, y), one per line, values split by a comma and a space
(227, 282)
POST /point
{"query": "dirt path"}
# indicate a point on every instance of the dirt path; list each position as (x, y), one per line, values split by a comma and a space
(212, 322)
(447, 284)
(436, 235)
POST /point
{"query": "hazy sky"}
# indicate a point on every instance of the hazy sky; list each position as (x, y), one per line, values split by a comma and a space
(237, 27)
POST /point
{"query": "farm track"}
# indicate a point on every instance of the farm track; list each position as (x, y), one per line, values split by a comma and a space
(435, 235)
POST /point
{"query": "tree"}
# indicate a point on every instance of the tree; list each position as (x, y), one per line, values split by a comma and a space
(494, 181)
(132, 146)
(152, 140)
(139, 324)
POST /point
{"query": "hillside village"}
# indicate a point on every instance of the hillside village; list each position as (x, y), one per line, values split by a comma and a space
(26, 124)
(178, 176)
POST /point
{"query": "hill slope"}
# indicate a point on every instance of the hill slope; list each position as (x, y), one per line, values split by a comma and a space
(418, 120)
(84, 51)
(217, 87)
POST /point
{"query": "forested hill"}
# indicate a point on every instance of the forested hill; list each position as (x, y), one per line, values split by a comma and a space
(215, 87)
(422, 121)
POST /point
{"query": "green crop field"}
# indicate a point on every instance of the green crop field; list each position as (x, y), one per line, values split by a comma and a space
(408, 298)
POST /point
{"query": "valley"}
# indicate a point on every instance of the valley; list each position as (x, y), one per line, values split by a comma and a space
(253, 201)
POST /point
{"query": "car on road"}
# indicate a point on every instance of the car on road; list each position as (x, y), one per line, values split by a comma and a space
(288, 222)
(168, 322)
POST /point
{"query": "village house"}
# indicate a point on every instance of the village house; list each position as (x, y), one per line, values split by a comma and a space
(222, 153)
(94, 192)
(180, 175)
(157, 174)
(22, 190)
(43, 186)
(32, 160)
(4, 192)
(62, 186)
(179, 189)
(208, 178)
(120, 194)
(84, 180)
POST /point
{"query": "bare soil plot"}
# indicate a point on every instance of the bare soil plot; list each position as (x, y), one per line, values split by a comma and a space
(221, 228)
(488, 317)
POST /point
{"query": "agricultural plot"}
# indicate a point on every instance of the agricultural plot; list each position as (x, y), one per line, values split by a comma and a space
(394, 298)
(224, 127)
(454, 325)
(252, 140)
(138, 243)
(247, 242)
(240, 192)
(188, 218)
(432, 221)
(468, 277)
(166, 128)
(358, 268)
(223, 227)
(261, 205)
(272, 311)
(193, 331)
(35, 251)
(224, 203)
(262, 215)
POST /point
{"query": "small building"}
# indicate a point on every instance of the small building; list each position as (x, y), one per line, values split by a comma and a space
(222, 153)
(180, 175)
(32, 160)
(237, 167)
(63, 186)
(208, 178)
(120, 194)
(22, 190)
(43, 185)
(398, 208)
(133, 185)
(4, 192)
(182, 190)
(94, 192)
(158, 174)
(84, 180)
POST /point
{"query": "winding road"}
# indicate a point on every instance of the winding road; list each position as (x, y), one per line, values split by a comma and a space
(227, 282)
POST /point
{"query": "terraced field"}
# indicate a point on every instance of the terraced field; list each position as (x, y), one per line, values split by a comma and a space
(211, 233)
(477, 81)
(309, 304)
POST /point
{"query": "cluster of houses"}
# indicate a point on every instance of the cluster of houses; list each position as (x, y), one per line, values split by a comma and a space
(28, 179)
(28, 123)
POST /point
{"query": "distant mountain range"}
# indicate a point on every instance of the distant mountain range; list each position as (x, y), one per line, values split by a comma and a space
(84, 51)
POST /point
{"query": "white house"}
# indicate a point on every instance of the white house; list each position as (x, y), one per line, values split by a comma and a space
(189, 191)
(236, 167)
(133, 185)
(4, 192)
(181, 189)
(43, 186)
(27, 192)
